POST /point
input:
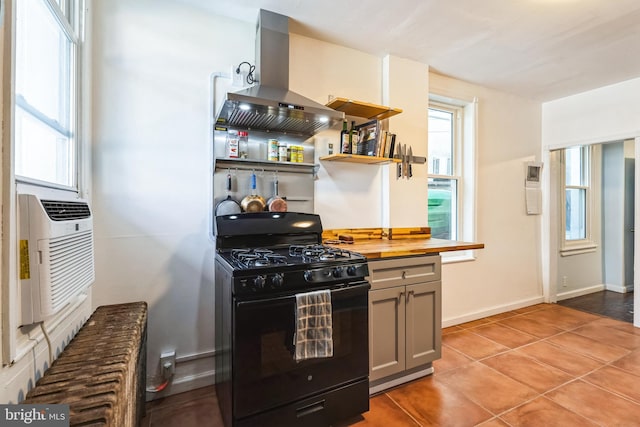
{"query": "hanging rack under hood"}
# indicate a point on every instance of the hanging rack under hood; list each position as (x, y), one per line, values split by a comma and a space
(270, 105)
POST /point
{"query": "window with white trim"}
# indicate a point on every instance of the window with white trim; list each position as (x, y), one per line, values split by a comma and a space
(452, 125)
(48, 34)
(576, 188)
(444, 170)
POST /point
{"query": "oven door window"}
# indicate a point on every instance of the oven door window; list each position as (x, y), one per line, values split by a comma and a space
(265, 373)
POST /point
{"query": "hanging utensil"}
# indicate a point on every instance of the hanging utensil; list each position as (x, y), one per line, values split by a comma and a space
(253, 202)
(228, 206)
(409, 161)
(399, 165)
(276, 203)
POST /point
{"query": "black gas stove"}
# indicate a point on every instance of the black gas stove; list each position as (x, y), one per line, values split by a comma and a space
(282, 267)
(264, 263)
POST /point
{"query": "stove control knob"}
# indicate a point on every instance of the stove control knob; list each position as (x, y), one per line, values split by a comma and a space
(351, 270)
(337, 272)
(258, 282)
(277, 280)
(308, 276)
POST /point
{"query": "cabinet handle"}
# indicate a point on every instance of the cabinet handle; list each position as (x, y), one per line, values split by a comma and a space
(404, 275)
(411, 292)
(399, 296)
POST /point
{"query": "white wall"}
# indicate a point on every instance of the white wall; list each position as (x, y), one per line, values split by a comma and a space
(506, 273)
(346, 194)
(606, 114)
(602, 115)
(152, 168)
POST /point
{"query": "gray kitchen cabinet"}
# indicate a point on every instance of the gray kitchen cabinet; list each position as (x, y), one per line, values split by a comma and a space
(404, 319)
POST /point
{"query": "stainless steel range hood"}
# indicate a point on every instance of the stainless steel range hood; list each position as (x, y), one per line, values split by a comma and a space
(270, 105)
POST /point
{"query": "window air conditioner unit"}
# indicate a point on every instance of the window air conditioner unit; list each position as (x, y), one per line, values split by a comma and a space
(56, 254)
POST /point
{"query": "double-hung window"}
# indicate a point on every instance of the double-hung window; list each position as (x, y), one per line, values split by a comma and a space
(576, 163)
(445, 180)
(451, 157)
(48, 34)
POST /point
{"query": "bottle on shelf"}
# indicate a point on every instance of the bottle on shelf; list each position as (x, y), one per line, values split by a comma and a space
(243, 144)
(353, 138)
(232, 144)
(345, 140)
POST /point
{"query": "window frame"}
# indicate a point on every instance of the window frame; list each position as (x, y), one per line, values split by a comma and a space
(570, 247)
(467, 168)
(17, 343)
(70, 17)
(457, 112)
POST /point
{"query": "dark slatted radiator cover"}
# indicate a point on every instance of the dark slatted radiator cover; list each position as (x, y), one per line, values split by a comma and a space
(101, 374)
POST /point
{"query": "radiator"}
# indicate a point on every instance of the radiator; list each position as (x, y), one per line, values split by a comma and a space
(101, 374)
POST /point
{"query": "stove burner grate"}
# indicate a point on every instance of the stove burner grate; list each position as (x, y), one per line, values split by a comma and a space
(314, 253)
(257, 257)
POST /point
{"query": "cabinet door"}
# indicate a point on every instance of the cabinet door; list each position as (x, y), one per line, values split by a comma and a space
(423, 324)
(386, 332)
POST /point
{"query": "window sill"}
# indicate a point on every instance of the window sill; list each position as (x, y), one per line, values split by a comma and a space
(456, 257)
(578, 249)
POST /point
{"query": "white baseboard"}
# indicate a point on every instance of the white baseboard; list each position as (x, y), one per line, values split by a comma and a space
(580, 292)
(452, 321)
(622, 289)
(192, 372)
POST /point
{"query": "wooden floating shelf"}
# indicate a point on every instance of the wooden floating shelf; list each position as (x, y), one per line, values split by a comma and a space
(362, 109)
(356, 158)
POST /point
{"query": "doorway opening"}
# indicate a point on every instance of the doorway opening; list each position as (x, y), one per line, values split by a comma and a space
(592, 228)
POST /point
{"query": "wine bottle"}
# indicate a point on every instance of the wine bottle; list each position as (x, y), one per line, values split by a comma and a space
(353, 138)
(345, 140)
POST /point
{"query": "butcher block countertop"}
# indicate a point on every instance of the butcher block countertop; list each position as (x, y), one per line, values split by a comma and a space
(376, 243)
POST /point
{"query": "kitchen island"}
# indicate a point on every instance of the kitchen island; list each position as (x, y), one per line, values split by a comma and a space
(405, 319)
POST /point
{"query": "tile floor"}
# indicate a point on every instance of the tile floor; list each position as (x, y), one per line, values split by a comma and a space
(608, 303)
(545, 365)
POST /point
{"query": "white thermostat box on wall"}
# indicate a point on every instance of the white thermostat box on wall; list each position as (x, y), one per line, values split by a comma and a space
(532, 188)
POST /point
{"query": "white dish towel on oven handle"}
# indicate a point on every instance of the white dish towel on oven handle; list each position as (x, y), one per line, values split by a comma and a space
(314, 325)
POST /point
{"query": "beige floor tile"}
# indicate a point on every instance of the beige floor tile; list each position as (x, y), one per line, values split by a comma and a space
(504, 335)
(562, 317)
(596, 404)
(383, 412)
(617, 381)
(542, 412)
(490, 389)
(630, 362)
(433, 403)
(589, 347)
(451, 359)
(609, 335)
(531, 326)
(473, 345)
(560, 358)
(540, 377)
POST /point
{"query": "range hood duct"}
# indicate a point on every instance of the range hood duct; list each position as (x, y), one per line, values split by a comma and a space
(270, 105)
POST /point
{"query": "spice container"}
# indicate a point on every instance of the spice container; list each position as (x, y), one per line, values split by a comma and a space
(232, 144)
(243, 144)
(282, 153)
(272, 150)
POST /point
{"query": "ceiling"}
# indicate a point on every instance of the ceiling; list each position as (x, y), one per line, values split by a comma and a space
(540, 49)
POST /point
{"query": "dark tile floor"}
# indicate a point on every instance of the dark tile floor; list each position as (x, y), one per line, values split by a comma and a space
(608, 303)
(545, 365)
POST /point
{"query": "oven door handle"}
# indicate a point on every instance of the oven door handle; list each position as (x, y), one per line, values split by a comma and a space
(362, 287)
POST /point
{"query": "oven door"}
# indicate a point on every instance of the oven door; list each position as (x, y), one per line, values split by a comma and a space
(265, 374)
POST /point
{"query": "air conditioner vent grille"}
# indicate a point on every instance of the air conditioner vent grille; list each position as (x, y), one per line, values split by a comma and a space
(65, 211)
(71, 268)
